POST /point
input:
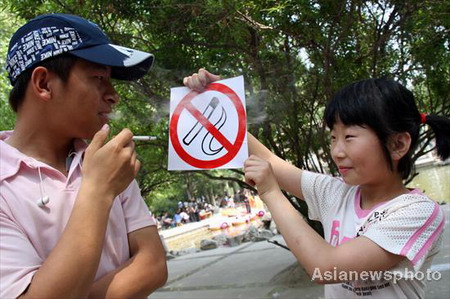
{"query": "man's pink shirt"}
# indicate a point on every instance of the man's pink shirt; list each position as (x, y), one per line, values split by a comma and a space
(28, 232)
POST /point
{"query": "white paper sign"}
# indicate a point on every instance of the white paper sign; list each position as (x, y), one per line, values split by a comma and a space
(209, 129)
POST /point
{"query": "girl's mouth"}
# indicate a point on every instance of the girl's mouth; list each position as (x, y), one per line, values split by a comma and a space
(344, 170)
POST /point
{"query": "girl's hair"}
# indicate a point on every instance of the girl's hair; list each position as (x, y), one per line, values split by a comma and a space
(386, 107)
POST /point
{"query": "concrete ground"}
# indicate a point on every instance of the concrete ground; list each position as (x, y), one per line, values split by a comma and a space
(264, 270)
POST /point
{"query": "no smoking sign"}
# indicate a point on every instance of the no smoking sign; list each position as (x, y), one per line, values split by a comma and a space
(208, 130)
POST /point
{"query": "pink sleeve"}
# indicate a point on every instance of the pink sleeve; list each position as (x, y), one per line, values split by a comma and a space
(18, 259)
(412, 231)
(137, 214)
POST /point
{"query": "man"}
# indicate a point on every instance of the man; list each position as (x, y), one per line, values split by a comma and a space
(73, 222)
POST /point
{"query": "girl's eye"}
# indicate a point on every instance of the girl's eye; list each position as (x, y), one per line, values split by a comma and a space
(349, 136)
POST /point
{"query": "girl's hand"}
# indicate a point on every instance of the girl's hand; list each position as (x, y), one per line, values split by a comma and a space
(199, 81)
(259, 173)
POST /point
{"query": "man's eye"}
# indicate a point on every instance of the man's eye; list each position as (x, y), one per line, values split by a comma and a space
(100, 77)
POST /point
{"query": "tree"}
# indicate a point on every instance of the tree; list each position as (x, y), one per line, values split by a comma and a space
(294, 55)
(8, 24)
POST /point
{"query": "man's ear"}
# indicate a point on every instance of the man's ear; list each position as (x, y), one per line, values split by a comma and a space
(399, 145)
(40, 83)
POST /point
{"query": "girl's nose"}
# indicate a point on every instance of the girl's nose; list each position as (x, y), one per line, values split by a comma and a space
(337, 151)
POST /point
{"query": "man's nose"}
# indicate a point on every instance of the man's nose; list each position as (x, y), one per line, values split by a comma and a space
(111, 95)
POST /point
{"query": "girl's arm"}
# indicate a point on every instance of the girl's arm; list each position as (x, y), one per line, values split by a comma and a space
(311, 250)
(287, 174)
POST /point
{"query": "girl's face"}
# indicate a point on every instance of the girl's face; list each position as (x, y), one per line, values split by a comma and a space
(358, 154)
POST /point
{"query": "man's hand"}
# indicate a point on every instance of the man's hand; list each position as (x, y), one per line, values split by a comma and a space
(112, 166)
(199, 81)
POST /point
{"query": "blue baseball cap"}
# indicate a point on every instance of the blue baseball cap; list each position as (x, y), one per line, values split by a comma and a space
(51, 35)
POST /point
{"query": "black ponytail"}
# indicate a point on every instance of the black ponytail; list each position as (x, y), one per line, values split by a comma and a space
(441, 128)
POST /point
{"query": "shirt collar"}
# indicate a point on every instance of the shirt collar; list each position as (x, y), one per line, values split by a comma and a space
(11, 158)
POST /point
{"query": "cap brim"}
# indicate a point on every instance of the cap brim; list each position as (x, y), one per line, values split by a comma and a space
(126, 63)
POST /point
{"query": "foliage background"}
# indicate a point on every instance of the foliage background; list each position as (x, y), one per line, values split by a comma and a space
(294, 54)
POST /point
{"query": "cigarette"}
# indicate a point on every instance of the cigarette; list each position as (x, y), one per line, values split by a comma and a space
(144, 138)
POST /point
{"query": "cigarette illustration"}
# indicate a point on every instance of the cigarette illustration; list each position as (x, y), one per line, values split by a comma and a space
(207, 144)
(196, 129)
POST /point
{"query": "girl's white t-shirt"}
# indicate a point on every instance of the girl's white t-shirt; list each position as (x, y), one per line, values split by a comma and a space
(410, 225)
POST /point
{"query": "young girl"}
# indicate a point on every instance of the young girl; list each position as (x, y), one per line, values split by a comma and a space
(380, 237)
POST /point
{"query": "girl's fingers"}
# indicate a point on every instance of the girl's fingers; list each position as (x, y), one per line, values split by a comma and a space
(202, 77)
(191, 82)
(209, 77)
(250, 182)
(198, 81)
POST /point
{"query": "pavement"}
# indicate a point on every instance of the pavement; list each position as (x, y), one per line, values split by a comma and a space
(264, 270)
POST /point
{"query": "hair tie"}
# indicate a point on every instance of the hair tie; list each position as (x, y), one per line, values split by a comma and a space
(423, 118)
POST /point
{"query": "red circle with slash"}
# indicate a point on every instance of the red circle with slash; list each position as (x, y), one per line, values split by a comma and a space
(232, 147)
